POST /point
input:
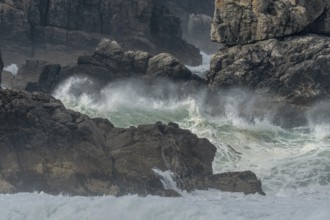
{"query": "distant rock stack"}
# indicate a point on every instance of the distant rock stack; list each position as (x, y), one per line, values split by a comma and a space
(276, 47)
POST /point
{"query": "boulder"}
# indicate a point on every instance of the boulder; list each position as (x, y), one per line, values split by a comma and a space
(295, 69)
(45, 147)
(242, 22)
(167, 66)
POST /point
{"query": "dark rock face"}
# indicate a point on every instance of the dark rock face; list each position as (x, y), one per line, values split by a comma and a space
(47, 147)
(295, 68)
(136, 24)
(273, 47)
(242, 22)
(196, 19)
(109, 63)
(1, 67)
(165, 65)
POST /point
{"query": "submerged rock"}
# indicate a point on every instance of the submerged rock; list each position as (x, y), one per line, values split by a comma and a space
(241, 22)
(293, 68)
(45, 147)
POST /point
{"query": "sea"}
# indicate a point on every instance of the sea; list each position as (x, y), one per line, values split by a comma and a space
(292, 163)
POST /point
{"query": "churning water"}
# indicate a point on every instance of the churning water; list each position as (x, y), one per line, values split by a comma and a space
(293, 164)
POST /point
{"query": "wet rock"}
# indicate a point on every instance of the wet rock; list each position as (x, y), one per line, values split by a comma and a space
(242, 22)
(47, 147)
(109, 63)
(295, 69)
(165, 65)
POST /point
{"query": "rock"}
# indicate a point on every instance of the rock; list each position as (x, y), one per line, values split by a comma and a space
(135, 24)
(165, 65)
(294, 68)
(198, 33)
(28, 73)
(45, 147)
(166, 29)
(110, 63)
(246, 182)
(47, 80)
(195, 17)
(1, 68)
(242, 22)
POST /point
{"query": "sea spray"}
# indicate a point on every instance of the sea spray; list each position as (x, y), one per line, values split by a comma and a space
(284, 159)
(168, 182)
(12, 68)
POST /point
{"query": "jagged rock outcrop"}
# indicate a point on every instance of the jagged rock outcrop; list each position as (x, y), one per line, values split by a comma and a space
(294, 68)
(136, 24)
(47, 147)
(273, 47)
(241, 22)
(109, 63)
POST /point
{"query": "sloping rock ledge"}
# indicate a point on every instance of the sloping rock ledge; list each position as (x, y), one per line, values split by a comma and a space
(45, 147)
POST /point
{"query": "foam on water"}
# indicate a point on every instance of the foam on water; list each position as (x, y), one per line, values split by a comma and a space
(12, 68)
(293, 165)
(284, 159)
(211, 205)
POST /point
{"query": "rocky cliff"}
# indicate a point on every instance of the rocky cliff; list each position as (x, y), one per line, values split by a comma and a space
(1, 67)
(136, 24)
(273, 47)
(242, 22)
(47, 147)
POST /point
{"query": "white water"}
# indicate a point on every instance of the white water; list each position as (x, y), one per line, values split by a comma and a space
(293, 165)
(200, 70)
(12, 68)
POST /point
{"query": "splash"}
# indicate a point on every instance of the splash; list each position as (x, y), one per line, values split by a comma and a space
(12, 68)
(284, 159)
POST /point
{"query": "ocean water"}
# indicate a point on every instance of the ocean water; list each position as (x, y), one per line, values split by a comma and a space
(293, 164)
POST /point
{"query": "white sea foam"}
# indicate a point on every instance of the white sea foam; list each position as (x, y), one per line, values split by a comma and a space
(200, 70)
(293, 165)
(12, 68)
(211, 205)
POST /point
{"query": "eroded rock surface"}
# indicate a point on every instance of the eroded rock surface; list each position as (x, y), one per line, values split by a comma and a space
(110, 62)
(47, 147)
(136, 24)
(294, 68)
(241, 22)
